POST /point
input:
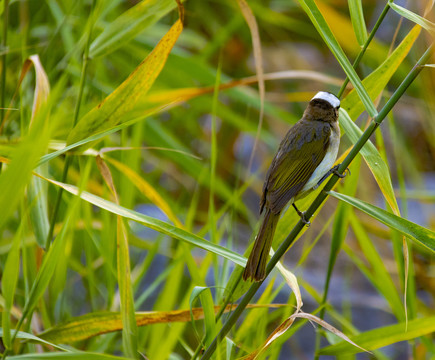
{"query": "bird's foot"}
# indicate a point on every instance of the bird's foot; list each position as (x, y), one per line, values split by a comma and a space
(334, 171)
(302, 216)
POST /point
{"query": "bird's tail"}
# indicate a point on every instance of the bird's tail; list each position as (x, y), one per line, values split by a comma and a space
(256, 265)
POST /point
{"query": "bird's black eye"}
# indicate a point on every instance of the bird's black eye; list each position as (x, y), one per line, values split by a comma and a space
(338, 107)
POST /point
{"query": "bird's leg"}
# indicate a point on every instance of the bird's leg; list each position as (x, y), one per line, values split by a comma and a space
(334, 170)
(302, 215)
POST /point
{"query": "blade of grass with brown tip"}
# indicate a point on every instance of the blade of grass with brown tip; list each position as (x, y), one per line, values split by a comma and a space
(123, 99)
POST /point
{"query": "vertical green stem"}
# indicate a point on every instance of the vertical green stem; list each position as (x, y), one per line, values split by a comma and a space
(319, 200)
(76, 117)
(364, 48)
(340, 93)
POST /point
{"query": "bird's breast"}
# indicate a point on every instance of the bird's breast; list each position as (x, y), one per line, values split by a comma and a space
(327, 163)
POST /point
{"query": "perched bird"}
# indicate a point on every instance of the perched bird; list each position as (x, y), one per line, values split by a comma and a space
(304, 159)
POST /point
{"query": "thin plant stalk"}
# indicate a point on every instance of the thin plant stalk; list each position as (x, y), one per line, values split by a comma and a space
(320, 199)
(340, 94)
(364, 48)
(67, 163)
(65, 170)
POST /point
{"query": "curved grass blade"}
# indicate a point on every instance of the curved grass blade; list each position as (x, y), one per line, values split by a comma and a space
(384, 336)
(153, 223)
(287, 323)
(129, 24)
(37, 192)
(16, 176)
(93, 324)
(419, 234)
(325, 32)
(97, 136)
(46, 271)
(358, 23)
(125, 97)
(31, 337)
(208, 309)
(80, 355)
(147, 189)
(24, 157)
(378, 79)
(380, 277)
(424, 23)
(258, 56)
(374, 160)
(129, 328)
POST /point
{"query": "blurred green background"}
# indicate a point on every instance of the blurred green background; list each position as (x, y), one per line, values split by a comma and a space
(194, 157)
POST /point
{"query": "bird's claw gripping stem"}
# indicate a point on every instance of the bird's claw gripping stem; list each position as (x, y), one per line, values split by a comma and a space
(302, 216)
(334, 171)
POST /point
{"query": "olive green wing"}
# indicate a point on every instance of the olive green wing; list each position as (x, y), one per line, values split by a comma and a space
(290, 170)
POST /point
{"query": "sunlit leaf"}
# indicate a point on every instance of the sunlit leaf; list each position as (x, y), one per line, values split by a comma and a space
(419, 234)
(129, 328)
(424, 23)
(373, 158)
(204, 294)
(27, 336)
(123, 99)
(25, 155)
(155, 224)
(94, 324)
(384, 336)
(322, 27)
(129, 24)
(147, 189)
(375, 83)
(68, 355)
(380, 276)
(357, 17)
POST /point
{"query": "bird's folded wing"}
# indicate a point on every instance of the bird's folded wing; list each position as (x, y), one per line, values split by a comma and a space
(290, 171)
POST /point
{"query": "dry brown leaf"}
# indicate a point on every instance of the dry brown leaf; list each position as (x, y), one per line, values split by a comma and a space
(91, 325)
(287, 323)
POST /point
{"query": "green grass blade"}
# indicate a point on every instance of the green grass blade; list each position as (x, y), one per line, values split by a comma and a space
(374, 160)
(204, 294)
(419, 234)
(28, 336)
(376, 82)
(325, 32)
(37, 198)
(424, 23)
(129, 24)
(125, 97)
(384, 336)
(358, 23)
(129, 327)
(16, 176)
(154, 224)
(48, 267)
(95, 137)
(8, 285)
(67, 355)
(381, 278)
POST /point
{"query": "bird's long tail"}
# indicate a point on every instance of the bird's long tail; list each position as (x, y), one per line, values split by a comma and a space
(256, 265)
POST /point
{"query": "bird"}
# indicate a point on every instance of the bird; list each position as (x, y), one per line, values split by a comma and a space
(303, 160)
